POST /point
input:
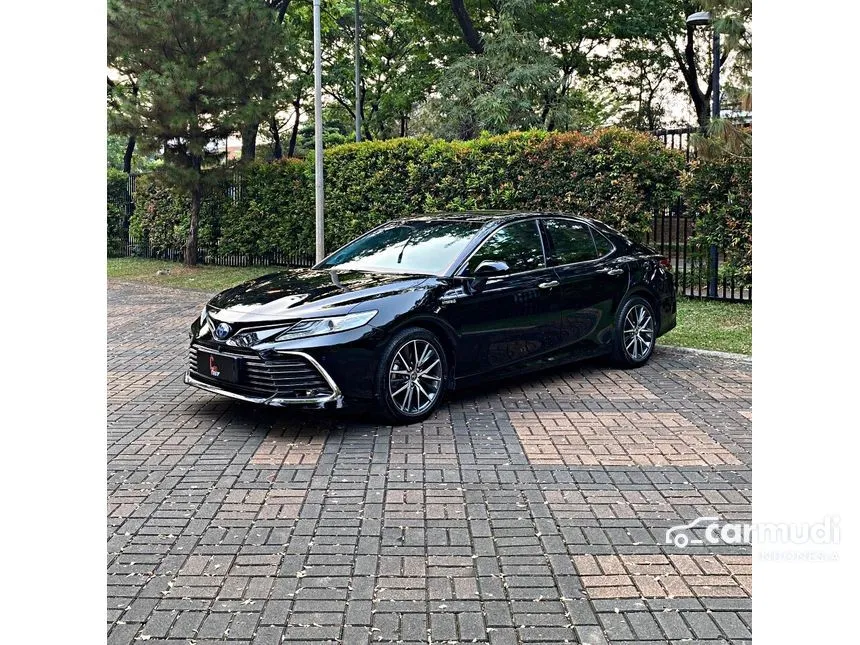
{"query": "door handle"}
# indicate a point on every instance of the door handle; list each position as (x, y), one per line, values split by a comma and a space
(548, 285)
(615, 271)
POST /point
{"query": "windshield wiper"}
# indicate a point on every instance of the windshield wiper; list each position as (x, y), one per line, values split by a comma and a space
(405, 244)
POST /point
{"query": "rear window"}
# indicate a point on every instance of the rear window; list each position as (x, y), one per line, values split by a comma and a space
(602, 243)
(571, 242)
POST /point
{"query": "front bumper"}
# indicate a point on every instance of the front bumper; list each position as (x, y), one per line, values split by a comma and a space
(333, 397)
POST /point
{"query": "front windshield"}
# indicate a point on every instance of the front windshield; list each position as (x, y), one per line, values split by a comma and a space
(424, 247)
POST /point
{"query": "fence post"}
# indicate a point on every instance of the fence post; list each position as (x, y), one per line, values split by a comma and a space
(713, 266)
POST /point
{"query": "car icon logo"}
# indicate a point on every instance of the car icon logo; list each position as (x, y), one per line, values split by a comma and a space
(222, 331)
(676, 535)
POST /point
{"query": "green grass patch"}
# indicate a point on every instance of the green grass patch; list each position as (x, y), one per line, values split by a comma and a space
(719, 326)
(702, 324)
(174, 274)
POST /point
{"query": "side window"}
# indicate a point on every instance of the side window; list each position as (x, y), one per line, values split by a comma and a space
(571, 242)
(603, 244)
(517, 244)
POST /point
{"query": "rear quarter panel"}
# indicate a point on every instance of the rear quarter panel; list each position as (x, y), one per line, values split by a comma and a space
(650, 278)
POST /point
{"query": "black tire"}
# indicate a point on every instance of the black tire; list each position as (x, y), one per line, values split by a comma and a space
(624, 353)
(391, 398)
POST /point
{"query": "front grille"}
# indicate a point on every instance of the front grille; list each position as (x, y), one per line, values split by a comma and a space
(290, 377)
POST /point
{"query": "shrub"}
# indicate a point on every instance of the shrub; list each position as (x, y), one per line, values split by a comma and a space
(117, 198)
(275, 212)
(617, 176)
(117, 186)
(161, 215)
(719, 193)
(367, 184)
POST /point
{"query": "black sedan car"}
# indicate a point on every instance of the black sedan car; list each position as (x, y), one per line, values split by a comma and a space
(419, 306)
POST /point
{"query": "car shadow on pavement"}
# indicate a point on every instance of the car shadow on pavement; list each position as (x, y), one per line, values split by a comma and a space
(526, 381)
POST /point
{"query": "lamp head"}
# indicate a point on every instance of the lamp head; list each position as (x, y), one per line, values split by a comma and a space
(699, 19)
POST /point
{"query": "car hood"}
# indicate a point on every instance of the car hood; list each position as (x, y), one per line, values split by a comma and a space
(306, 293)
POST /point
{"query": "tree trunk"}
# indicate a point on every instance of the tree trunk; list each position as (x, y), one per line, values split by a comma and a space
(470, 34)
(365, 123)
(129, 151)
(277, 151)
(467, 129)
(294, 135)
(700, 101)
(191, 246)
(194, 220)
(403, 130)
(687, 64)
(132, 140)
(249, 142)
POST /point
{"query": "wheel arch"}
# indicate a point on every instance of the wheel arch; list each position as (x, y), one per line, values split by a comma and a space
(643, 292)
(443, 331)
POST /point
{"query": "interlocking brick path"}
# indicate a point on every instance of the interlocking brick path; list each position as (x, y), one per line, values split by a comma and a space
(531, 511)
(617, 439)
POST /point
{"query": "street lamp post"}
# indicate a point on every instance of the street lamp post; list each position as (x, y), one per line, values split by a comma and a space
(357, 71)
(697, 19)
(319, 193)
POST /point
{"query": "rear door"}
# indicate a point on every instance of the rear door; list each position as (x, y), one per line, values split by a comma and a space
(592, 282)
(513, 317)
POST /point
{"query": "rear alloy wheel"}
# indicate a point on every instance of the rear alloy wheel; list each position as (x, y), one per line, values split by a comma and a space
(412, 376)
(635, 333)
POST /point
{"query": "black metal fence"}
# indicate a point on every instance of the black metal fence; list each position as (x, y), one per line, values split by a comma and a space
(141, 248)
(700, 271)
(678, 139)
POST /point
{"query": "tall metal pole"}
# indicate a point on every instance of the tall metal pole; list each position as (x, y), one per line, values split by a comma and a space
(714, 262)
(715, 74)
(357, 71)
(318, 137)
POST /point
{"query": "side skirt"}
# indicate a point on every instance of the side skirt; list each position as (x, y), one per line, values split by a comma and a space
(530, 367)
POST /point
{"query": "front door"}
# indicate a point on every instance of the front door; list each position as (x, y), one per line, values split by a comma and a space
(512, 317)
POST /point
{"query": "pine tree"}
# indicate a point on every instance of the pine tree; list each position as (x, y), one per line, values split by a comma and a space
(199, 70)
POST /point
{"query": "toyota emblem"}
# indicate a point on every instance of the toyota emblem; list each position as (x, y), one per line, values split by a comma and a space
(222, 331)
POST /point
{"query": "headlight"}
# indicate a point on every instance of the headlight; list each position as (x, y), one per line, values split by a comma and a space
(320, 326)
(203, 326)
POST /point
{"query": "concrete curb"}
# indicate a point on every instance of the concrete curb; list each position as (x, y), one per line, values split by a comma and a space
(671, 349)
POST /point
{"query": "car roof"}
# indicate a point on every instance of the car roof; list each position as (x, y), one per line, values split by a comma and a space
(488, 216)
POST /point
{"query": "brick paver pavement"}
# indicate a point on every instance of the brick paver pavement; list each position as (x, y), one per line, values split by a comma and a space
(532, 511)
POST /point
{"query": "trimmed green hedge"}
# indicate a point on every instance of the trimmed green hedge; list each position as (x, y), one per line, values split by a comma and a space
(275, 211)
(719, 193)
(117, 197)
(161, 215)
(614, 175)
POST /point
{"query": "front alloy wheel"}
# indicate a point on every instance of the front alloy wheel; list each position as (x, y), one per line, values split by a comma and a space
(412, 378)
(415, 377)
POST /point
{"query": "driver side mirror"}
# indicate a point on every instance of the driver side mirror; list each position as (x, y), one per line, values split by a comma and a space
(489, 268)
(485, 270)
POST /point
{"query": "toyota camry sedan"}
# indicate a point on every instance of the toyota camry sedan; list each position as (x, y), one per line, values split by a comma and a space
(417, 307)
